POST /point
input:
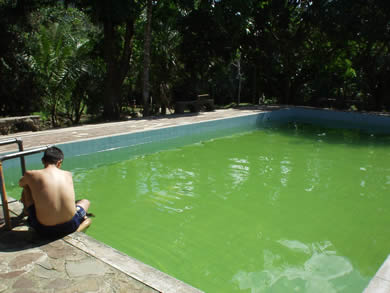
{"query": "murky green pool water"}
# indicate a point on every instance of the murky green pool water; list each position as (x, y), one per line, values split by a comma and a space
(298, 209)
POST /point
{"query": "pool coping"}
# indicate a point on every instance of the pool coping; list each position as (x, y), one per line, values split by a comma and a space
(132, 267)
(380, 283)
(126, 264)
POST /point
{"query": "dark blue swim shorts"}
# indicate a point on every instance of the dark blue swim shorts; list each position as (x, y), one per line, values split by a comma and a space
(56, 230)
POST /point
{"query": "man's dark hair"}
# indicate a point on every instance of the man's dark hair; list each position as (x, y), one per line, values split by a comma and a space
(52, 155)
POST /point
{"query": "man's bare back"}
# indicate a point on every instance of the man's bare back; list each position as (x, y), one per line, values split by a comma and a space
(53, 194)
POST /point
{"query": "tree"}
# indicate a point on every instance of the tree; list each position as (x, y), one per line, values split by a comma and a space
(211, 32)
(369, 30)
(166, 69)
(50, 62)
(60, 49)
(357, 36)
(147, 49)
(280, 43)
(293, 51)
(80, 86)
(118, 19)
(19, 91)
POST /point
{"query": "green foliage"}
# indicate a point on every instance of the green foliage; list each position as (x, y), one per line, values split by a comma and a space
(50, 60)
(67, 60)
(59, 57)
(19, 94)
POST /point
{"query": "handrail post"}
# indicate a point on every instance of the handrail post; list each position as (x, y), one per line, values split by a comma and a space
(22, 160)
(4, 199)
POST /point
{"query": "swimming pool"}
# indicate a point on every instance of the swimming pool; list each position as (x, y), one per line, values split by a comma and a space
(302, 265)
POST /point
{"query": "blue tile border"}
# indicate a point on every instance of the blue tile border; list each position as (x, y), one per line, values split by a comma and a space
(338, 119)
(110, 149)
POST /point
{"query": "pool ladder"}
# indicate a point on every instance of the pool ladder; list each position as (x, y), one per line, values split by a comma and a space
(20, 154)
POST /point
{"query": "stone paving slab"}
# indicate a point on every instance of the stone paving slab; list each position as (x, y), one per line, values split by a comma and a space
(29, 264)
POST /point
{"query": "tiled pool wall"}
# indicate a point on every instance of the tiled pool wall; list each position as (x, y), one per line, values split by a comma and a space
(373, 123)
(92, 152)
(110, 149)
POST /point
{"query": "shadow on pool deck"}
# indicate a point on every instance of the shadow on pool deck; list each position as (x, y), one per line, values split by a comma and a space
(20, 238)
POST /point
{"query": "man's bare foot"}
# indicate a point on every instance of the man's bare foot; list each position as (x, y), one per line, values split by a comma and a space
(84, 225)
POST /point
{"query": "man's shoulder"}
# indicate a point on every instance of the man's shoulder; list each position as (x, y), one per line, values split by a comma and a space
(65, 172)
(30, 176)
(32, 172)
(47, 172)
(38, 173)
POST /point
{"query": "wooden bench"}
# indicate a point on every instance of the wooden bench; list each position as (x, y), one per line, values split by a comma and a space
(195, 106)
(21, 123)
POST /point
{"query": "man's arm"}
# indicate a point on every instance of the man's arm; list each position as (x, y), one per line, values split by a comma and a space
(26, 197)
(24, 180)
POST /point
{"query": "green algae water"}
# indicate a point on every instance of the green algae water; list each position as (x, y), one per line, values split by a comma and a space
(295, 209)
(298, 209)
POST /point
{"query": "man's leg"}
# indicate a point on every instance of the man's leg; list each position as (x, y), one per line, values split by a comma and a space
(84, 203)
(84, 225)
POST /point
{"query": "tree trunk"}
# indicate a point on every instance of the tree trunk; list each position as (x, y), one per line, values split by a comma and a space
(118, 66)
(239, 81)
(147, 44)
(255, 98)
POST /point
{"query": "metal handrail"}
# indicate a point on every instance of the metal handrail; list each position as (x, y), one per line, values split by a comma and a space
(21, 154)
(20, 145)
(24, 153)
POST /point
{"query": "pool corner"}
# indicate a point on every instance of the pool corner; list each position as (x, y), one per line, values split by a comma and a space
(380, 283)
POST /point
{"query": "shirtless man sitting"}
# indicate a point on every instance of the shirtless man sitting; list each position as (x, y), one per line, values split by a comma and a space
(49, 199)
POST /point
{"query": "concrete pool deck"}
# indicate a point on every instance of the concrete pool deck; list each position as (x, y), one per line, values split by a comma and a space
(90, 131)
(78, 263)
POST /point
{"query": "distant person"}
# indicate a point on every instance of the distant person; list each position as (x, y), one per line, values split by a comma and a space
(49, 199)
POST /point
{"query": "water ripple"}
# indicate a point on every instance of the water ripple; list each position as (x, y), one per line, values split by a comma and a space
(317, 274)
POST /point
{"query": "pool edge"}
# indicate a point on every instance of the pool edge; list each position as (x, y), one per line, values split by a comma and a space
(132, 267)
(380, 283)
